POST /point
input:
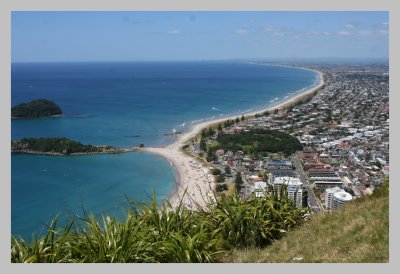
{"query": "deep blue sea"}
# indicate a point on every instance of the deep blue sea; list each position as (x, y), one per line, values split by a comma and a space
(109, 104)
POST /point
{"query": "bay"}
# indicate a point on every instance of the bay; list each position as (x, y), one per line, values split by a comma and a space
(124, 104)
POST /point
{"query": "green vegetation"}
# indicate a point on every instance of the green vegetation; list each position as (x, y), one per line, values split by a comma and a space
(211, 156)
(35, 109)
(152, 233)
(221, 187)
(258, 141)
(206, 132)
(216, 171)
(238, 181)
(356, 233)
(221, 178)
(55, 145)
(229, 123)
(228, 170)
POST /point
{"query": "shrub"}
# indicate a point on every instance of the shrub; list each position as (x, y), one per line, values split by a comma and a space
(216, 171)
(221, 187)
(152, 233)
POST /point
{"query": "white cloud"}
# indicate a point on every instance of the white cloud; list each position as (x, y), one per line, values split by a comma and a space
(385, 25)
(242, 31)
(344, 33)
(173, 32)
(365, 32)
(349, 26)
(271, 29)
(373, 33)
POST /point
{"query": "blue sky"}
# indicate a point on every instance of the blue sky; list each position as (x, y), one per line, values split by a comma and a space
(138, 36)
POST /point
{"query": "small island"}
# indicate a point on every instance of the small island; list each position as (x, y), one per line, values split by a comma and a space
(35, 109)
(62, 146)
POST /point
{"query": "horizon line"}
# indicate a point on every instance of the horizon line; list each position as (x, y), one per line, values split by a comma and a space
(274, 59)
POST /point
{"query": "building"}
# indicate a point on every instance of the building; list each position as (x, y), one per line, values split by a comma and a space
(259, 188)
(278, 183)
(302, 197)
(322, 185)
(340, 198)
(292, 188)
(329, 196)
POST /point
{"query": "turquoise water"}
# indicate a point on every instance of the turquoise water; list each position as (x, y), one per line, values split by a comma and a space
(109, 103)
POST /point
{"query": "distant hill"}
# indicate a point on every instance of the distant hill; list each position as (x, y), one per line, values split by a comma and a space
(356, 233)
(35, 109)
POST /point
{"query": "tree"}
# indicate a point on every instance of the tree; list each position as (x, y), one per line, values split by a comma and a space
(211, 157)
(227, 169)
(276, 111)
(203, 133)
(221, 178)
(211, 131)
(221, 187)
(242, 117)
(219, 127)
(238, 181)
(216, 171)
(237, 120)
(203, 145)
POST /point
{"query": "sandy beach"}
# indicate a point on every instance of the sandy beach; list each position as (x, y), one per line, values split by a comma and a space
(192, 175)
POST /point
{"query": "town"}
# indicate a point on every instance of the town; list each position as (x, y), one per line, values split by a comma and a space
(344, 131)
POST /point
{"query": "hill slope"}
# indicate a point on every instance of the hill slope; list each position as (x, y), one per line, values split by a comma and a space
(358, 232)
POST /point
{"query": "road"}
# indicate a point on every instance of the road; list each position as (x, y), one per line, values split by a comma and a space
(313, 203)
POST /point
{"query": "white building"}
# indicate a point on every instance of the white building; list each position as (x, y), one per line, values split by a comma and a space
(301, 197)
(260, 188)
(335, 197)
(329, 196)
(294, 185)
(341, 198)
(292, 189)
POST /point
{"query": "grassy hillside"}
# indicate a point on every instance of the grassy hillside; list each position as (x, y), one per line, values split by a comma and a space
(358, 232)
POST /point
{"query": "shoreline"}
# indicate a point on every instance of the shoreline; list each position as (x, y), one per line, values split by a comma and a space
(192, 175)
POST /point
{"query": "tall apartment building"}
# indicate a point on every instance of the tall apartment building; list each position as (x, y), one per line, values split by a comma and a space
(340, 198)
(335, 197)
(295, 192)
(302, 197)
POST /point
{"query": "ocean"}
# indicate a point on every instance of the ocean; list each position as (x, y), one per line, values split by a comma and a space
(124, 104)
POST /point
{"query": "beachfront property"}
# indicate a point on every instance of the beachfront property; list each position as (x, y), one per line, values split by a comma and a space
(344, 129)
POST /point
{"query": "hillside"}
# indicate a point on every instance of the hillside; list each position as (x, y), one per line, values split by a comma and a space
(358, 232)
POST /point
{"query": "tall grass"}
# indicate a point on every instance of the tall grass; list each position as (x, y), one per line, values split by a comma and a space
(153, 233)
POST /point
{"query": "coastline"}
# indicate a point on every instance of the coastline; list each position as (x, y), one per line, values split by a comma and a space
(192, 176)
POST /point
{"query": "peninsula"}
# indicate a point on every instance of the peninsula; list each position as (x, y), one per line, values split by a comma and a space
(61, 146)
(35, 109)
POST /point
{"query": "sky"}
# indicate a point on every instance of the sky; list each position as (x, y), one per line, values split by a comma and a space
(56, 36)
